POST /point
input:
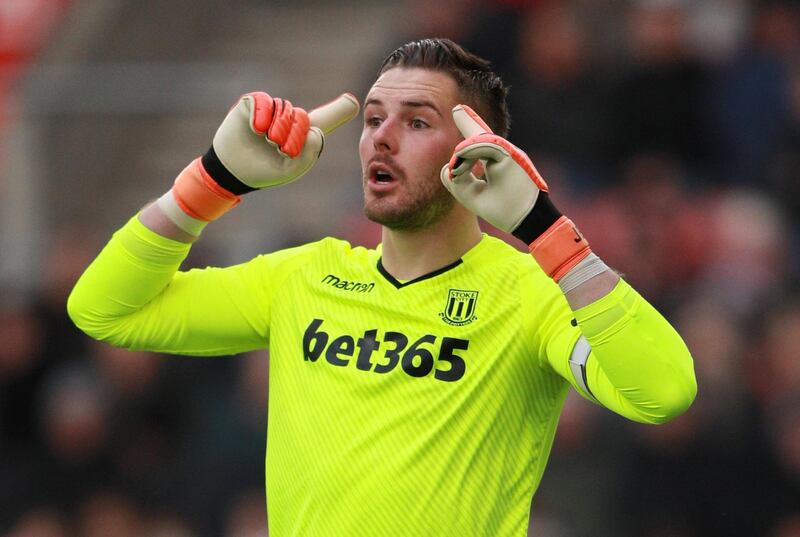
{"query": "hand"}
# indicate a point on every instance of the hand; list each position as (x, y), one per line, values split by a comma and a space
(261, 143)
(510, 186)
(265, 141)
(512, 196)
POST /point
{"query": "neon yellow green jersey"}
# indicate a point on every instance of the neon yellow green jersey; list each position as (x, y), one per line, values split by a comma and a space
(419, 408)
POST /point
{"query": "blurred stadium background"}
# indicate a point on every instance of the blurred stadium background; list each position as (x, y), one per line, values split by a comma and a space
(668, 130)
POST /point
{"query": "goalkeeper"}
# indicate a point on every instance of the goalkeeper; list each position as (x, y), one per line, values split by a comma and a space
(414, 388)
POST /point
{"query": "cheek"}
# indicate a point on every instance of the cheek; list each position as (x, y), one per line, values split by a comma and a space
(364, 145)
(441, 151)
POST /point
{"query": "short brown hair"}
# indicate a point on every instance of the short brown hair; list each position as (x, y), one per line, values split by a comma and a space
(480, 86)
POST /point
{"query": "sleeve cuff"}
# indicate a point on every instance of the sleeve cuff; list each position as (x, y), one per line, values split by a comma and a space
(609, 314)
(148, 246)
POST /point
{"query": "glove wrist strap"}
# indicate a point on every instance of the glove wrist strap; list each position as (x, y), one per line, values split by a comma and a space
(553, 239)
(221, 175)
(538, 220)
(196, 199)
(559, 248)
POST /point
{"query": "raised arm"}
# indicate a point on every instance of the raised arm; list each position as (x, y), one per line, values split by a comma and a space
(263, 142)
(628, 357)
(132, 294)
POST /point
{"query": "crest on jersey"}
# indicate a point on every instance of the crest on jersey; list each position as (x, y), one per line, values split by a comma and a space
(460, 307)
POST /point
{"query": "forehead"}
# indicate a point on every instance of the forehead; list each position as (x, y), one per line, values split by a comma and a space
(404, 83)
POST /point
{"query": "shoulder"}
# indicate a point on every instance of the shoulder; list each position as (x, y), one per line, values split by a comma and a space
(511, 267)
(327, 251)
(493, 253)
(332, 246)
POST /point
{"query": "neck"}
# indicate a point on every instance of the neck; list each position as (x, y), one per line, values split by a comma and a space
(410, 254)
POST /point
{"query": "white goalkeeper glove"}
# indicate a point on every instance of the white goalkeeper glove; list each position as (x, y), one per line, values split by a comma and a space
(261, 143)
(511, 196)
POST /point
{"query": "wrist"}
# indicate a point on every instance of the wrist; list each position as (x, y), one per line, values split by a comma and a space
(588, 268)
(540, 218)
(560, 248)
(170, 209)
(552, 238)
(589, 290)
(196, 199)
(217, 171)
(154, 218)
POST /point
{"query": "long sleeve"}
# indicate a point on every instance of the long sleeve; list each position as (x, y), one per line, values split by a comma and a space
(133, 296)
(635, 363)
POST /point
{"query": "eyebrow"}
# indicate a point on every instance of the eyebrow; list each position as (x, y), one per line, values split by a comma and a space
(408, 104)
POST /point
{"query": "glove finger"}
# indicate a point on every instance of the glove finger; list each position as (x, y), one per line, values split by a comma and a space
(296, 137)
(468, 122)
(494, 153)
(332, 115)
(314, 143)
(459, 185)
(281, 122)
(468, 152)
(481, 150)
(308, 156)
(459, 166)
(447, 178)
(261, 108)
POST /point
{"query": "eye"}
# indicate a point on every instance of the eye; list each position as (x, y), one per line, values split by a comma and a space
(419, 124)
(372, 121)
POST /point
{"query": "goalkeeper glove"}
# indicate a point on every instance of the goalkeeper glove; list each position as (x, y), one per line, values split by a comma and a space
(511, 196)
(261, 143)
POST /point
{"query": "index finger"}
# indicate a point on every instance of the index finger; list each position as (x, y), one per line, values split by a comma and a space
(469, 122)
(334, 114)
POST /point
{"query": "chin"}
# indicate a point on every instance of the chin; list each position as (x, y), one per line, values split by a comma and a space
(411, 218)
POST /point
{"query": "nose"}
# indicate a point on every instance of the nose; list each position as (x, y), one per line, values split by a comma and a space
(384, 138)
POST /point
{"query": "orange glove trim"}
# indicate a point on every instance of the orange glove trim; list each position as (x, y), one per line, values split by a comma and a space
(285, 125)
(296, 138)
(478, 119)
(560, 248)
(263, 110)
(199, 196)
(516, 154)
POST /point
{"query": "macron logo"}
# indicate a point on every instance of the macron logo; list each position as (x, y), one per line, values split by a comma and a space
(346, 285)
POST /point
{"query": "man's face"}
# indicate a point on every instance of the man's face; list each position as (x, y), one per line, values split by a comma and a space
(408, 135)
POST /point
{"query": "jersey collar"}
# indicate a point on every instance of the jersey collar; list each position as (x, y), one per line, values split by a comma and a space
(466, 257)
(398, 284)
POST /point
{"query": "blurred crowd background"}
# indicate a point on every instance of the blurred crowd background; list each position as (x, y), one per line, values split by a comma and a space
(668, 130)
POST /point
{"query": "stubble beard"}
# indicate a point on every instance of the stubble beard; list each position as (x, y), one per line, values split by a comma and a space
(420, 208)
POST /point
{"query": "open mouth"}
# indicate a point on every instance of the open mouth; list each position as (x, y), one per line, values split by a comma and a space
(383, 177)
(381, 174)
